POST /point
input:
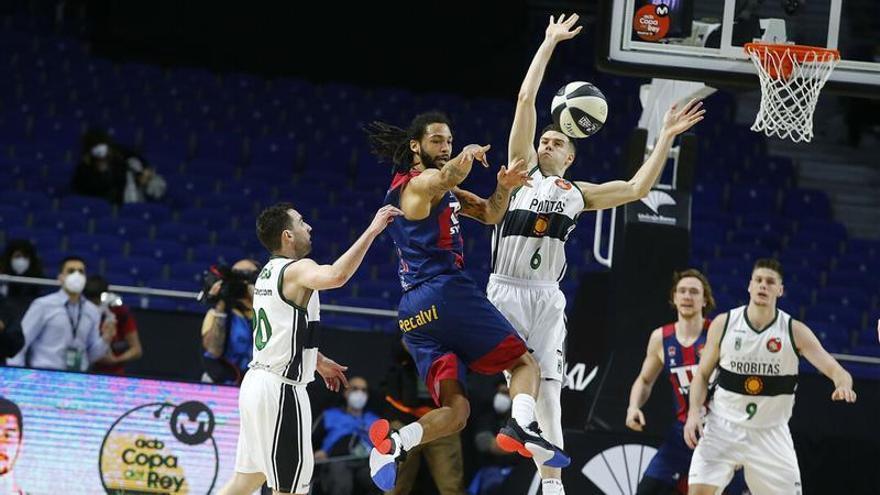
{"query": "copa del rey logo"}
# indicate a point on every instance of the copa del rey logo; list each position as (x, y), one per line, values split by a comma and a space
(654, 201)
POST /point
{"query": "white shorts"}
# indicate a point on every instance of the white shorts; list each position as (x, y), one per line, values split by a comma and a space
(766, 455)
(275, 437)
(537, 312)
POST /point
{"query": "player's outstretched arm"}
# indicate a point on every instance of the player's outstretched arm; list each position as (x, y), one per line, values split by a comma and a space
(418, 196)
(619, 192)
(434, 182)
(641, 388)
(699, 388)
(522, 133)
(306, 273)
(809, 346)
(491, 211)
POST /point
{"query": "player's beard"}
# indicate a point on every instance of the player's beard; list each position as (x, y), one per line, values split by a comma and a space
(431, 162)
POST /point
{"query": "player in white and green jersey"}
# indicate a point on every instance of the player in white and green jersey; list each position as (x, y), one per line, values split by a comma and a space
(756, 349)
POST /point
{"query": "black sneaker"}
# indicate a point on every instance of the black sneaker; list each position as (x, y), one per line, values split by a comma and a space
(529, 443)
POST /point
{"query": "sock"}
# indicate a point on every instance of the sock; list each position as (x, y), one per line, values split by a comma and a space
(410, 435)
(551, 486)
(523, 409)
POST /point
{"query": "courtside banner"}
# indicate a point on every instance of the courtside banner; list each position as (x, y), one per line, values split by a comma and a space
(93, 434)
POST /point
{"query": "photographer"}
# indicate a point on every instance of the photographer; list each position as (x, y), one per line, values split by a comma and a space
(126, 345)
(227, 336)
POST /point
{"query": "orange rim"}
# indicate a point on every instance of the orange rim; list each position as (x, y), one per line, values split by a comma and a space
(800, 52)
(779, 54)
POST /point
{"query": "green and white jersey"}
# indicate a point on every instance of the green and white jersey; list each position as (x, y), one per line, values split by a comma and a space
(285, 335)
(758, 370)
(529, 243)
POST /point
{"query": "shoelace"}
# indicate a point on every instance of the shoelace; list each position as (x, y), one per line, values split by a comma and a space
(535, 428)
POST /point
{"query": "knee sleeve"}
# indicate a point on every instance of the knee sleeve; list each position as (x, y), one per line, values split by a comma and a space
(548, 409)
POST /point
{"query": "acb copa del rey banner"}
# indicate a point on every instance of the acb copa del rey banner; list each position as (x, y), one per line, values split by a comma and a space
(93, 434)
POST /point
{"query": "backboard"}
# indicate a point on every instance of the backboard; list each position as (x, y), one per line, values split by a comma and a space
(702, 40)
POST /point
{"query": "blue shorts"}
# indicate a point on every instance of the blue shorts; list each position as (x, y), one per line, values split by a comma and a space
(673, 461)
(449, 325)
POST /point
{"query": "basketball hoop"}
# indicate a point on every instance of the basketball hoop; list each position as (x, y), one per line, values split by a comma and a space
(791, 78)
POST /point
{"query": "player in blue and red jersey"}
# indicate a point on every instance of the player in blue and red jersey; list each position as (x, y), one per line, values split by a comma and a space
(676, 348)
(448, 324)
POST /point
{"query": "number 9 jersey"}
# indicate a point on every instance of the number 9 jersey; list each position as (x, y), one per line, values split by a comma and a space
(285, 335)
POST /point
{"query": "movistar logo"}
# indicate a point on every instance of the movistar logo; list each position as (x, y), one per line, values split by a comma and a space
(655, 199)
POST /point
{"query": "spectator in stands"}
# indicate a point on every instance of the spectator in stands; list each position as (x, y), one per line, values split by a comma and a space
(101, 171)
(496, 463)
(11, 338)
(20, 259)
(142, 183)
(346, 433)
(11, 435)
(62, 331)
(126, 345)
(407, 400)
(227, 335)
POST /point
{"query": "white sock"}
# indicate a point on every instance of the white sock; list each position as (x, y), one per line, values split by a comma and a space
(551, 486)
(523, 409)
(410, 435)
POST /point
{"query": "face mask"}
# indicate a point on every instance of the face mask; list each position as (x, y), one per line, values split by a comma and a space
(75, 282)
(20, 264)
(501, 403)
(357, 399)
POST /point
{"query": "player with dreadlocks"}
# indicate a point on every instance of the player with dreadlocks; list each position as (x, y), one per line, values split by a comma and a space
(448, 324)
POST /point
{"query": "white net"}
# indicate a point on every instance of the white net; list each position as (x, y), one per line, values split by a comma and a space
(791, 79)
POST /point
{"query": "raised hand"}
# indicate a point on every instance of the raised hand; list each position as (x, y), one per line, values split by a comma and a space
(561, 29)
(383, 218)
(515, 175)
(475, 151)
(678, 120)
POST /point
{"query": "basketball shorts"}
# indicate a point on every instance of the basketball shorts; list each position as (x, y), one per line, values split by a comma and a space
(537, 311)
(448, 326)
(275, 435)
(672, 461)
(766, 455)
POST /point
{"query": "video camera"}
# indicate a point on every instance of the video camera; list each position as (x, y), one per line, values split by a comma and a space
(234, 284)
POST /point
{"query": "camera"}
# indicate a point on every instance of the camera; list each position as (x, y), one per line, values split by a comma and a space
(234, 284)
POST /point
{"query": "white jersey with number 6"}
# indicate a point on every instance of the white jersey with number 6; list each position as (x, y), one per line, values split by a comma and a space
(758, 371)
(285, 335)
(529, 243)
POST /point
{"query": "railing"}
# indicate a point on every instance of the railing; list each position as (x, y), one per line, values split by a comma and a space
(146, 291)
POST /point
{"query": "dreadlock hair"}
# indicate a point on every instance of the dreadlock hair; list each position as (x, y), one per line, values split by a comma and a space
(391, 143)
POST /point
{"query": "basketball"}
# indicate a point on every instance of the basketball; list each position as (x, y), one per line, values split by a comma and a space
(579, 109)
